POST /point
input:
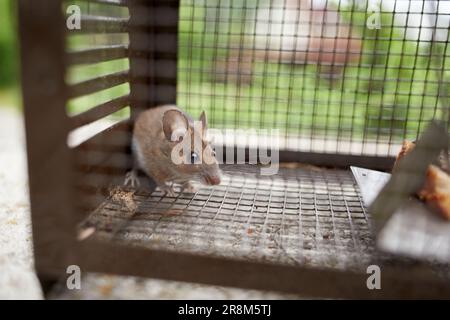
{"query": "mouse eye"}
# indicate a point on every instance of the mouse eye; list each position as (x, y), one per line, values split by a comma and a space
(213, 152)
(194, 157)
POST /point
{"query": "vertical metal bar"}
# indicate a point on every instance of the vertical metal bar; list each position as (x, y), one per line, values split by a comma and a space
(153, 53)
(49, 158)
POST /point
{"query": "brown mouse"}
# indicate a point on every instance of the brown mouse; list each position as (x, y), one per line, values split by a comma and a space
(170, 147)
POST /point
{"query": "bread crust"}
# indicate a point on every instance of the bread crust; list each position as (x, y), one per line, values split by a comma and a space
(407, 147)
(436, 189)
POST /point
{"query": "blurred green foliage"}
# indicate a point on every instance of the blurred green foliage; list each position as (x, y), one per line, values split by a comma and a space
(401, 78)
(8, 44)
(389, 94)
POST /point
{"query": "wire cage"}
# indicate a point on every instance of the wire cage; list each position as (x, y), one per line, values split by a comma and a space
(328, 84)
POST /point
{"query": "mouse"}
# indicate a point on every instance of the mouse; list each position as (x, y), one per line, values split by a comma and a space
(171, 148)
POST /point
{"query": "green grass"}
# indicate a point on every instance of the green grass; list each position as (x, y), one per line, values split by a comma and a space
(85, 72)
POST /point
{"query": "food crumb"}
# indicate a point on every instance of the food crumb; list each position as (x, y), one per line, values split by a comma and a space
(173, 212)
(12, 221)
(85, 233)
(124, 197)
(327, 235)
(107, 288)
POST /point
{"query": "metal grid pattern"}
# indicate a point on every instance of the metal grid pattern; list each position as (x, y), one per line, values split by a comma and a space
(315, 71)
(301, 216)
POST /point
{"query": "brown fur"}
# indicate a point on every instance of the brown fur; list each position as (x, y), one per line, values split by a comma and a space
(152, 147)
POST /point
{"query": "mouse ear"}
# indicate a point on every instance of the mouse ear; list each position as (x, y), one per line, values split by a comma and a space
(204, 121)
(175, 125)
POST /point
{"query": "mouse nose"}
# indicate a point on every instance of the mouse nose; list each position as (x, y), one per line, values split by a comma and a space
(211, 179)
(215, 180)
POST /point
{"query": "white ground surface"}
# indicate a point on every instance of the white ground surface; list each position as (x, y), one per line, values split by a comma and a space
(17, 277)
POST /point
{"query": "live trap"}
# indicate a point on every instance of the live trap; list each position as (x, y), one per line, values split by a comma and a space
(315, 79)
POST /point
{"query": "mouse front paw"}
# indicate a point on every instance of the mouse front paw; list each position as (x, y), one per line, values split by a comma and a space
(188, 187)
(167, 190)
(131, 179)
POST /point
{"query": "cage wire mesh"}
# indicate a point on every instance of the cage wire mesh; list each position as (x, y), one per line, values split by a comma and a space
(332, 76)
(335, 76)
(298, 217)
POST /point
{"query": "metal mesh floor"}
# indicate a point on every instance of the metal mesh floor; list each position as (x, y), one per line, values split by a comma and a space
(306, 216)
